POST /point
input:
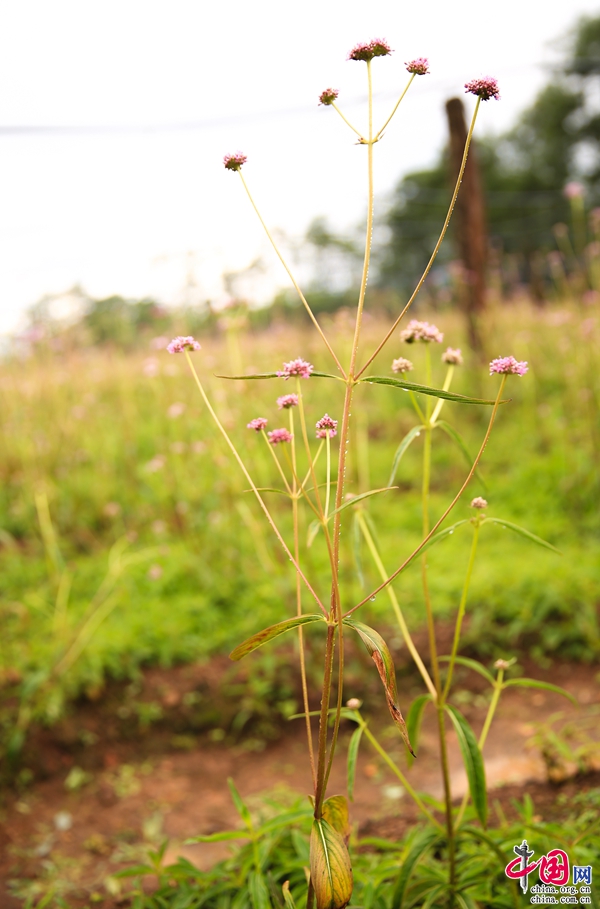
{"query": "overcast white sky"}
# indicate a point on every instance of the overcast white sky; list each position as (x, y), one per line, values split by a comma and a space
(139, 199)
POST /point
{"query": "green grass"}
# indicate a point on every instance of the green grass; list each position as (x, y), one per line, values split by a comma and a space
(89, 433)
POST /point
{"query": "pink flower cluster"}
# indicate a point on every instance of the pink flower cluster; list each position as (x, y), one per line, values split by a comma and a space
(298, 367)
(479, 502)
(287, 401)
(259, 423)
(280, 435)
(485, 88)
(402, 365)
(452, 356)
(326, 426)
(328, 96)
(509, 366)
(421, 331)
(235, 161)
(419, 66)
(178, 345)
(369, 49)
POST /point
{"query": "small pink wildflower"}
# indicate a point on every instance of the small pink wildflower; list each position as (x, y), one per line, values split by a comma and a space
(369, 49)
(485, 88)
(328, 96)
(178, 345)
(503, 664)
(573, 190)
(353, 704)
(280, 435)
(479, 502)
(419, 66)
(326, 426)
(297, 367)
(509, 366)
(259, 423)
(402, 365)
(287, 401)
(452, 356)
(235, 161)
(421, 331)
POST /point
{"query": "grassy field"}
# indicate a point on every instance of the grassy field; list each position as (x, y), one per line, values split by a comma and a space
(128, 537)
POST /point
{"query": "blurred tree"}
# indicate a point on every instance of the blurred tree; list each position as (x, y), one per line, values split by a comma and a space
(524, 172)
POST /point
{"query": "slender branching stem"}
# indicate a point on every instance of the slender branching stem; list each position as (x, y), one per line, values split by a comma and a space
(396, 770)
(435, 250)
(396, 606)
(461, 611)
(328, 449)
(291, 277)
(346, 121)
(445, 514)
(304, 683)
(276, 459)
(398, 102)
(244, 470)
(323, 718)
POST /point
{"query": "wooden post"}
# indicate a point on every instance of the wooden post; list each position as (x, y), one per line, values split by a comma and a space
(470, 223)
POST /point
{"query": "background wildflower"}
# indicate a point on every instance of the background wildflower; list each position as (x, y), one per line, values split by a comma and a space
(287, 401)
(259, 423)
(479, 502)
(421, 331)
(326, 426)
(452, 356)
(370, 49)
(419, 66)
(485, 88)
(280, 435)
(297, 367)
(509, 366)
(402, 365)
(179, 344)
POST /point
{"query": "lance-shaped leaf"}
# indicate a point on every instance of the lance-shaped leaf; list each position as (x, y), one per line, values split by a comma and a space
(352, 757)
(402, 448)
(546, 686)
(420, 847)
(259, 892)
(471, 664)
(447, 532)
(427, 390)
(315, 526)
(287, 896)
(274, 375)
(330, 868)
(335, 812)
(460, 442)
(414, 717)
(380, 652)
(472, 760)
(273, 631)
(522, 532)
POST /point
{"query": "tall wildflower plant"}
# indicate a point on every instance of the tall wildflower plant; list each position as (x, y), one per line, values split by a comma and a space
(319, 486)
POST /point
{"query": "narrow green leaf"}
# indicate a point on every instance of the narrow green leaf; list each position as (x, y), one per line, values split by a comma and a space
(522, 532)
(382, 658)
(460, 442)
(282, 492)
(533, 683)
(354, 499)
(427, 390)
(472, 664)
(422, 845)
(240, 807)
(472, 760)
(220, 837)
(402, 448)
(274, 375)
(465, 901)
(413, 719)
(287, 896)
(330, 868)
(335, 812)
(447, 532)
(352, 758)
(273, 631)
(259, 892)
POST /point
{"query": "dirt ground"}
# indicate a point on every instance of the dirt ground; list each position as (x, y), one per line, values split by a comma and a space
(103, 793)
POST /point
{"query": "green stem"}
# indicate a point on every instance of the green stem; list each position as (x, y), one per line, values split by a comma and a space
(328, 444)
(276, 459)
(396, 607)
(346, 121)
(260, 499)
(291, 277)
(397, 772)
(461, 611)
(398, 102)
(323, 718)
(436, 248)
(441, 401)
